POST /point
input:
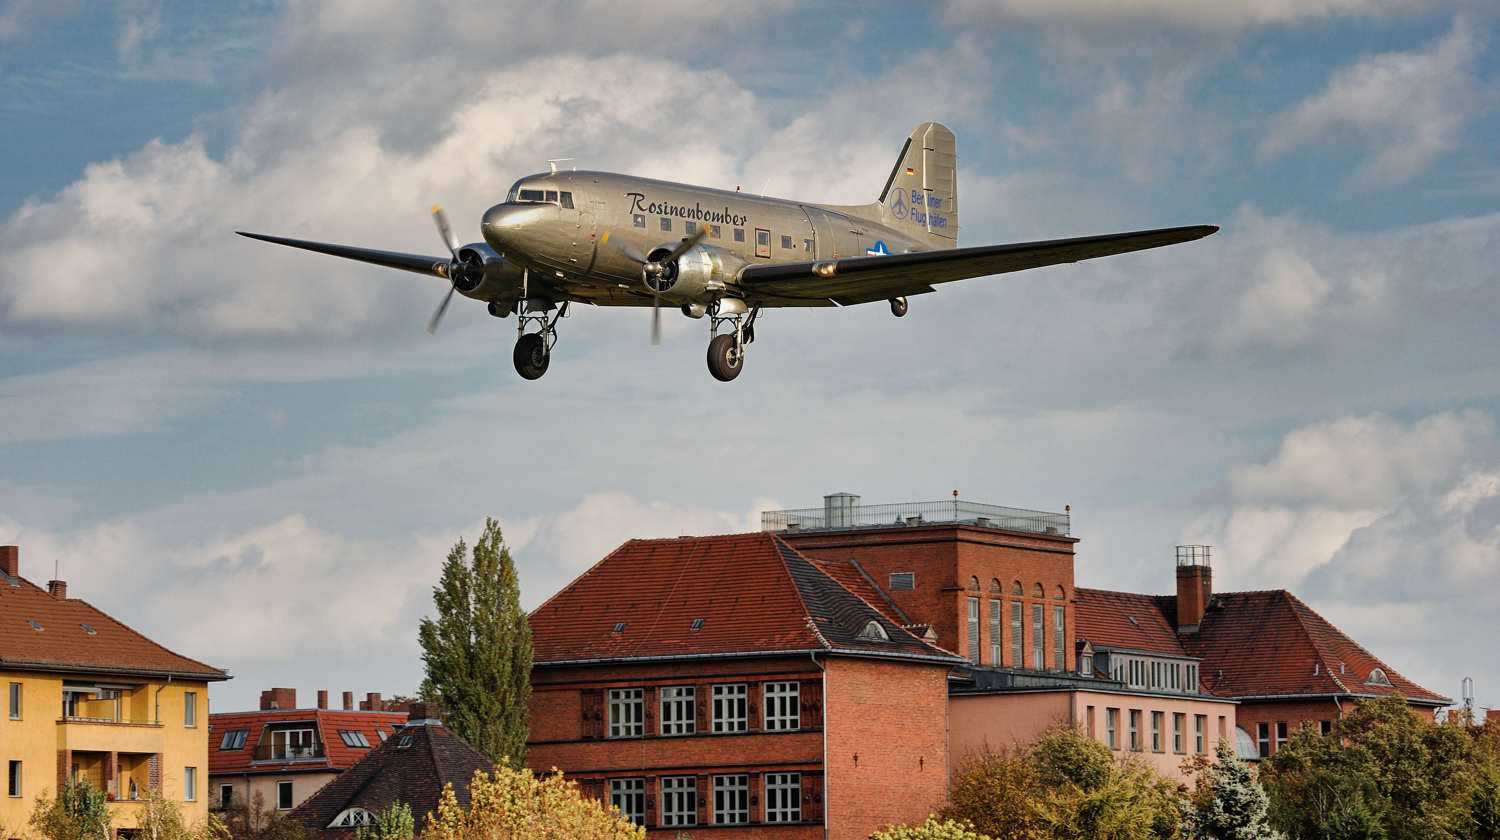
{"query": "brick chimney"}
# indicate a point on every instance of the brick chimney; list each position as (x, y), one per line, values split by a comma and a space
(323, 698)
(57, 589)
(10, 560)
(371, 702)
(278, 698)
(348, 701)
(1194, 586)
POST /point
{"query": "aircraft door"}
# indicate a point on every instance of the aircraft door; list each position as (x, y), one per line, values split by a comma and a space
(825, 243)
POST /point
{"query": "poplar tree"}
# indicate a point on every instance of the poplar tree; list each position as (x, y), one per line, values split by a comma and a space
(478, 649)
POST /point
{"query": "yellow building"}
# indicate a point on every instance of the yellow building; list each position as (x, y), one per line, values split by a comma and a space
(88, 698)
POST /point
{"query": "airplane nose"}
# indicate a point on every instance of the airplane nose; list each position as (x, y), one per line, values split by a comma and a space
(505, 225)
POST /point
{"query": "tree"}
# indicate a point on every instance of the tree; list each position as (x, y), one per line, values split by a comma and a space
(78, 813)
(478, 650)
(511, 804)
(159, 818)
(257, 822)
(394, 823)
(1229, 803)
(932, 829)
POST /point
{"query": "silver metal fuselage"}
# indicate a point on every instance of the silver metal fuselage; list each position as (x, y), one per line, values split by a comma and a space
(591, 251)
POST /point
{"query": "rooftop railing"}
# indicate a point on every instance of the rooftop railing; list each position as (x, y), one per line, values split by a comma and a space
(288, 752)
(915, 514)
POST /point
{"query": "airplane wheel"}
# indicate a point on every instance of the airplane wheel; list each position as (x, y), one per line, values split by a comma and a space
(497, 310)
(724, 361)
(898, 306)
(531, 356)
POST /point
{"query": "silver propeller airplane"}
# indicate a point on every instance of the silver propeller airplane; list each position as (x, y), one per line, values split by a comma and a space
(615, 240)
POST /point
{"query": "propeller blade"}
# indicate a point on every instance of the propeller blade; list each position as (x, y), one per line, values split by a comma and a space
(437, 316)
(655, 320)
(444, 231)
(686, 245)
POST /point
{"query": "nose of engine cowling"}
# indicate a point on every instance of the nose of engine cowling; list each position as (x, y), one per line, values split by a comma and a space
(509, 227)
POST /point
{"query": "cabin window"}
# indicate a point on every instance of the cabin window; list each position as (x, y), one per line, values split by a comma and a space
(739, 234)
(715, 231)
(638, 220)
(786, 243)
(533, 195)
(807, 245)
(762, 243)
(666, 223)
(689, 228)
(567, 200)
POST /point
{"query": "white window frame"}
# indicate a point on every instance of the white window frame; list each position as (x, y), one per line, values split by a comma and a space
(1038, 640)
(782, 702)
(226, 796)
(679, 801)
(189, 784)
(1158, 737)
(352, 818)
(783, 797)
(1060, 637)
(677, 704)
(731, 799)
(628, 796)
(1112, 728)
(291, 795)
(1200, 734)
(973, 615)
(730, 708)
(1017, 627)
(15, 701)
(627, 712)
(996, 649)
(1135, 730)
(1179, 733)
(190, 709)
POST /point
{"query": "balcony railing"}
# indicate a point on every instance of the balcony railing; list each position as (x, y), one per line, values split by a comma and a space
(913, 514)
(287, 752)
(121, 721)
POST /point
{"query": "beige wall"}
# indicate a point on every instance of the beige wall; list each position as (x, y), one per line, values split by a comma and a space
(247, 787)
(1002, 721)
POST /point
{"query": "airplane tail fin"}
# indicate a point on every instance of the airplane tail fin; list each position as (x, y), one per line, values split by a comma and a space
(921, 195)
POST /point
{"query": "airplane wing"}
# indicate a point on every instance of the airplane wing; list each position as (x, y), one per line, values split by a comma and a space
(435, 266)
(863, 279)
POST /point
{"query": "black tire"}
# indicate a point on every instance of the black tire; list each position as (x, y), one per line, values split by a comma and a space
(499, 310)
(723, 362)
(531, 356)
(898, 307)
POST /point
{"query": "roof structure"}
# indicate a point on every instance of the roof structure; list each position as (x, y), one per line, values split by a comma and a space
(39, 631)
(337, 753)
(412, 768)
(690, 597)
(1262, 644)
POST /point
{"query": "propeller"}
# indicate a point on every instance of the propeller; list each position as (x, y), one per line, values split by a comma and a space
(453, 270)
(655, 272)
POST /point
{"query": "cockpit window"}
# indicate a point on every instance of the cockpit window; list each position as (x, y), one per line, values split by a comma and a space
(567, 201)
(534, 195)
(552, 195)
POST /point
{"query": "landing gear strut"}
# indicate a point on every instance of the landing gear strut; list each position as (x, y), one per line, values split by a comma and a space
(726, 352)
(898, 307)
(534, 350)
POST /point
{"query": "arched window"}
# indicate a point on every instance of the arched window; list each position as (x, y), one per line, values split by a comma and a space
(973, 583)
(1378, 677)
(995, 585)
(1015, 588)
(1060, 595)
(351, 818)
(1039, 592)
(873, 632)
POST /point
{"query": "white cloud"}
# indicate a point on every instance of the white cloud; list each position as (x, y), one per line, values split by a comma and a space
(1405, 108)
(19, 18)
(1176, 12)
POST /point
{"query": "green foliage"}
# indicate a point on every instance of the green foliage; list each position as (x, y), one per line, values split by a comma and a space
(932, 829)
(78, 813)
(517, 805)
(1385, 773)
(1229, 803)
(1484, 803)
(478, 650)
(257, 822)
(160, 818)
(394, 823)
(1065, 786)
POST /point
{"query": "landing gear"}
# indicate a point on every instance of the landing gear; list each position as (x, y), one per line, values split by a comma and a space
(534, 350)
(898, 307)
(499, 310)
(726, 352)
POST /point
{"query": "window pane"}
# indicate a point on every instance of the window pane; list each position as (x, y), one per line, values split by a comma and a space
(15, 701)
(786, 242)
(739, 234)
(627, 713)
(783, 707)
(678, 717)
(731, 800)
(638, 220)
(531, 195)
(679, 801)
(1017, 656)
(666, 223)
(974, 630)
(995, 633)
(284, 796)
(551, 195)
(190, 708)
(1037, 642)
(629, 795)
(567, 200)
(783, 797)
(715, 231)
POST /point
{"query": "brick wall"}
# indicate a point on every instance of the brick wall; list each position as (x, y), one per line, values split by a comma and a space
(887, 744)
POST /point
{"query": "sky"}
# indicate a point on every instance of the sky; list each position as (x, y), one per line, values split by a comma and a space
(259, 457)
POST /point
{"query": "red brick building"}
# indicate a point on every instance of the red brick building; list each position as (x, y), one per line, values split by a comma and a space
(731, 682)
(283, 754)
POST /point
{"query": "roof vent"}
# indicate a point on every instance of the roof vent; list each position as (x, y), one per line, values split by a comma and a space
(404, 743)
(1131, 619)
(1378, 677)
(873, 632)
(89, 629)
(697, 624)
(35, 625)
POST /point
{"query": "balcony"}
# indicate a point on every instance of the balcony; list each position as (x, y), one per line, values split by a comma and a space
(843, 512)
(288, 752)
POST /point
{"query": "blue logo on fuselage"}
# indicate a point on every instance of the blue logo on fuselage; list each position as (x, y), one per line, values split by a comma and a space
(879, 249)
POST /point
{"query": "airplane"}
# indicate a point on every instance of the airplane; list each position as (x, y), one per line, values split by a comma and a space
(565, 237)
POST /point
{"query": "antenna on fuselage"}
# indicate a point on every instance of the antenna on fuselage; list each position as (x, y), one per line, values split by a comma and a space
(553, 162)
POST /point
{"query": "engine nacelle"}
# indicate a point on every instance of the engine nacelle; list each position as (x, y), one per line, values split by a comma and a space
(486, 275)
(699, 275)
(694, 310)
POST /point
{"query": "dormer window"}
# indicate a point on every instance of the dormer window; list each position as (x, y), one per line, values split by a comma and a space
(873, 632)
(1378, 677)
(351, 818)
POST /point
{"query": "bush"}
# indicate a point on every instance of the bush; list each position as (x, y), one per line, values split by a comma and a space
(932, 829)
(1229, 804)
(394, 823)
(78, 813)
(257, 822)
(513, 804)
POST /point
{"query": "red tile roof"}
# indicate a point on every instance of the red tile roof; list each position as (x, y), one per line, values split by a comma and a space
(63, 642)
(753, 592)
(1252, 644)
(328, 722)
